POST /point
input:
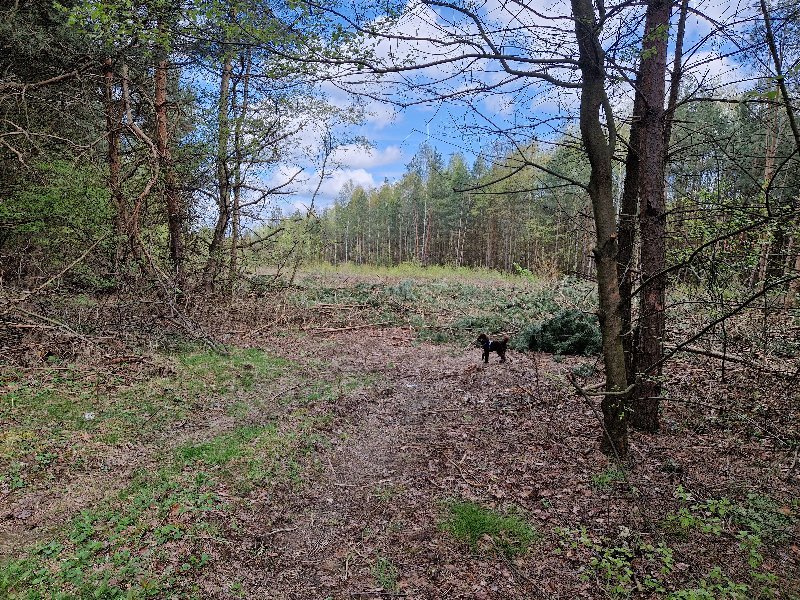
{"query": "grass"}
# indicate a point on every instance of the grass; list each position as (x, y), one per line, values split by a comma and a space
(412, 271)
(385, 573)
(151, 539)
(63, 415)
(606, 478)
(152, 536)
(143, 542)
(221, 449)
(444, 305)
(507, 533)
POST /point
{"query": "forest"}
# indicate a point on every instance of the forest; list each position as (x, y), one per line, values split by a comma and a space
(235, 365)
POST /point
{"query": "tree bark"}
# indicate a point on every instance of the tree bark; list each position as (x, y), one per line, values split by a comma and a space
(171, 193)
(599, 151)
(652, 217)
(629, 207)
(238, 178)
(113, 113)
(223, 178)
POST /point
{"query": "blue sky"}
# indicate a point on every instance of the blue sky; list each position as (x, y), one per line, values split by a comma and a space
(396, 135)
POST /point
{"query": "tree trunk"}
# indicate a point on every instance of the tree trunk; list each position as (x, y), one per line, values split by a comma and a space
(599, 151)
(171, 195)
(112, 111)
(652, 217)
(629, 206)
(238, 180)
(794, 284)
(223, 178)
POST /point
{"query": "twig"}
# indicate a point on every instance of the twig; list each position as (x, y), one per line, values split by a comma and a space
(337, 329)
(728, 357)
(286, 391)
(282, 530)
(589, 391)
(436, 411)
(30, 293)
(600, 420)
(464, 477)
(183, 321)
(56, 322)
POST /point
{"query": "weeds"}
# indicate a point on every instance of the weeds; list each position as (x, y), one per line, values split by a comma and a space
(111, 551)
(605, 479)
(629, 563)
(508, 533)
(385, 573)
(444, 305)
(45, 413)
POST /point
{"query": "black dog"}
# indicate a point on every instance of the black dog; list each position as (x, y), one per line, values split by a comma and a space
(488, 346)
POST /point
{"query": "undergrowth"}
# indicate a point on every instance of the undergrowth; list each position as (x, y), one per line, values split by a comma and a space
(443, 306)
(64, 415)
(671, 563)
(156, 536)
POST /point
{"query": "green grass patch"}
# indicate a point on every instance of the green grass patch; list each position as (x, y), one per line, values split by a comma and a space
(140, 545)
(506, 532)
(385, 573)
(410, 270)
(221, 449)
(606, 478)
(151, 540)
(67, 414)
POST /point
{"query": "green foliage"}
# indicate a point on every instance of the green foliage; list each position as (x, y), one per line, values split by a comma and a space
(46, 411)
(761, 516)
(567, 332)
(62, 210)
(750, 522)
(385, 573)
(629, 564)
(221, 449)
(508, 533)
(606, 478)
(151, 539)
(612, 561)
(715, 585)
(112, 551)
(584, 370)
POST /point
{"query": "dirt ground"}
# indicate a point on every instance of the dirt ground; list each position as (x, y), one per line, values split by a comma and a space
(438, 425)
(433, 425)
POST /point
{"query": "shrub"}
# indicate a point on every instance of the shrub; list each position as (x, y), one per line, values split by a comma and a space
(567, 332)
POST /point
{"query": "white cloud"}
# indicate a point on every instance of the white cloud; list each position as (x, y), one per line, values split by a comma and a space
(336, 180)
(500, 104)
(364, 157)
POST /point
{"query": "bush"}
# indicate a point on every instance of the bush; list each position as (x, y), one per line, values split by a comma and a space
(567, 332)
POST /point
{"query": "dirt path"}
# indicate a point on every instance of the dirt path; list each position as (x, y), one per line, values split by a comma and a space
(430, 429)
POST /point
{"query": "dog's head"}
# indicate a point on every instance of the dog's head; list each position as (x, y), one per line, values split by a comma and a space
(482, 340)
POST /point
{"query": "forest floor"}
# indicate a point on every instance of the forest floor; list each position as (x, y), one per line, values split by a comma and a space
(335, 452)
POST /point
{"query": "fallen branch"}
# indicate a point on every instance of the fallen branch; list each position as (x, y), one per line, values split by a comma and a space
(726, 357)
(58, 324)
(337, 329)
